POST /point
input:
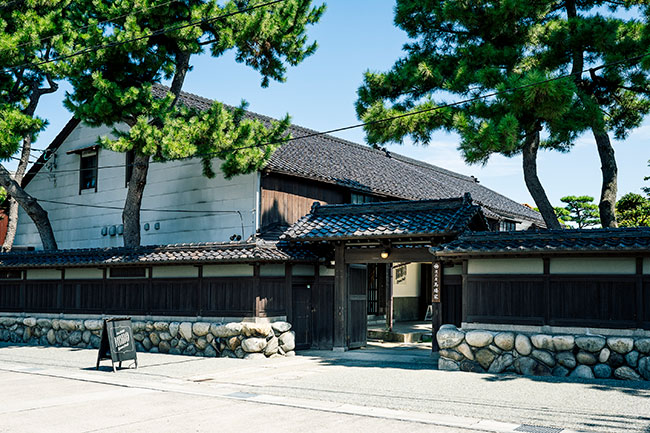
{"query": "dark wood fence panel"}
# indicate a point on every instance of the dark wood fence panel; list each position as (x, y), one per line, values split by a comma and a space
(228, 296)
(589, 301)
(125, 296)
(41, 296)
(10, 295)
(271, 296)
(451, 298)
(505, 299)
(607, 301)
(177, 295)
(645, 302)
(83, 296)
(323, 317)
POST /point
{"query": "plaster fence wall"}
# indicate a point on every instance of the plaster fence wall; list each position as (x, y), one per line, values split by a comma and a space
(585, 356)
(208, 339)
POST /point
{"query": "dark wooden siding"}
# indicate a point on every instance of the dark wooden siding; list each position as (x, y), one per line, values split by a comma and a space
(451, 298)
(608, 301)
(323, 314)
(285, 199)
(228, 296)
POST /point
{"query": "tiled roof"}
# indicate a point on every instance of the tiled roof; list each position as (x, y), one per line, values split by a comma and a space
(334, 160)
(548, 241)
(385, 219)
(166, 254)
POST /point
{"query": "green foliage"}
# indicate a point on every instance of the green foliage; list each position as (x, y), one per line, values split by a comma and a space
(646, 189)
(633, 210)
(581, 211)
(114, 84)
(464, 49)
(27, 35)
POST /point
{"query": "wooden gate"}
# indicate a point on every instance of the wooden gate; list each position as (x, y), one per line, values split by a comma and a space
(302, 315)
(357, 306)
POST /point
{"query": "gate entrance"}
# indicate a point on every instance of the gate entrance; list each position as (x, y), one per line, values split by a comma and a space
(302, 315)
(357, 306)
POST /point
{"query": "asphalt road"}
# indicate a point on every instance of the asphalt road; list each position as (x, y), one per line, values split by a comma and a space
(378, 389)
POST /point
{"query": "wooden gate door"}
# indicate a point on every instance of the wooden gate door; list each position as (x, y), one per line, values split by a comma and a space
(357, 306)
(302, 317)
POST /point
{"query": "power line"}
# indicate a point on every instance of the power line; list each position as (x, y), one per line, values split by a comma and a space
(166, 210)
(387, 119)
(158, 32)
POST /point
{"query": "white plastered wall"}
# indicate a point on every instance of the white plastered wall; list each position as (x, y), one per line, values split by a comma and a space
(505, 266)
(172, 185)
(593, 265)
(410, 287)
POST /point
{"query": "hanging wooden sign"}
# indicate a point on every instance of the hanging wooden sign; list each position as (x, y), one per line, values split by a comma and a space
(117, 342)
(437, 282)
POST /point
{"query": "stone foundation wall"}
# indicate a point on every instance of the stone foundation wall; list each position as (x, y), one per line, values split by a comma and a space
(584, 356)
(234, 340)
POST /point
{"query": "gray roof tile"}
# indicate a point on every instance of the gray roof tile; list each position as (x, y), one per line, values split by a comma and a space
(385, 219)
(548, 241)
(260, 251)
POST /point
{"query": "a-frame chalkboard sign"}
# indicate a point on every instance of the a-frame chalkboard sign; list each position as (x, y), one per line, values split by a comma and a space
(117, 342)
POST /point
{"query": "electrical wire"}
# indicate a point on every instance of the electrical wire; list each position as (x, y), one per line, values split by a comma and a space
(158, 32)
(387, 119)
(46, 38)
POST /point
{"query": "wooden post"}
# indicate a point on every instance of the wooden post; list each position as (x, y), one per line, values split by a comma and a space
(288, 291)
(256, 288)
(340, 299)
(547, 291)
(436, 304)
(639, 292)
(315, 338)
(464, 293)
(389, 296)
(199, 290)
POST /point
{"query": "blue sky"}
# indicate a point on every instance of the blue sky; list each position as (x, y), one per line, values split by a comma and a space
(357, 35)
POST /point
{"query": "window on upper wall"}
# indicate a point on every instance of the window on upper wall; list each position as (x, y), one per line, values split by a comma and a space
(357, 197)
(507, 226)
(129, 158)
(88, 171)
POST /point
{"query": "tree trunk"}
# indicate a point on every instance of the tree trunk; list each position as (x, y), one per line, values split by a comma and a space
(138, 181)
(13, 204)
(31, 206)
(531, 145)
(131, 212)
(607, 205)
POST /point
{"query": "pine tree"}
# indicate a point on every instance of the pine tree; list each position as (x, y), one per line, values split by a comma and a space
(31, 33)
(115, 84)
(465, 49)
(581, 210)
(633, 210)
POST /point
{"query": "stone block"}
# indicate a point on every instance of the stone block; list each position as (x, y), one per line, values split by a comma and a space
(626, 373)
(451, 354)
(632, 359)
(29, 321)
(479, 338)
(620, 345)
(227, 330)
(642, 345)
(256, 329)
(200, 329)
(201, 343)
(603, 356)
(644, 367)
(95, 325)
(471, 366)
(586, 358)
(288, 341)
(164, 347)
(161, 326)
(563, 343)
(505, 340)
(185, 330)
(272, 345)
(542, 341)
(582, 372)
(253, 344)
(44, 323)
(447, 365)
(602, 371)
(465, 350)
(485, 357)
(173, 329)
(155, 339)
(591, 343)
(523, 345)
(449, 338)
(544, 356)
(280, 327)
(501, 363)
(560, 371)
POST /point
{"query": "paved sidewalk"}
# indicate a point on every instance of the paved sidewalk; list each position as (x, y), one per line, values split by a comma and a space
(398, 385)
